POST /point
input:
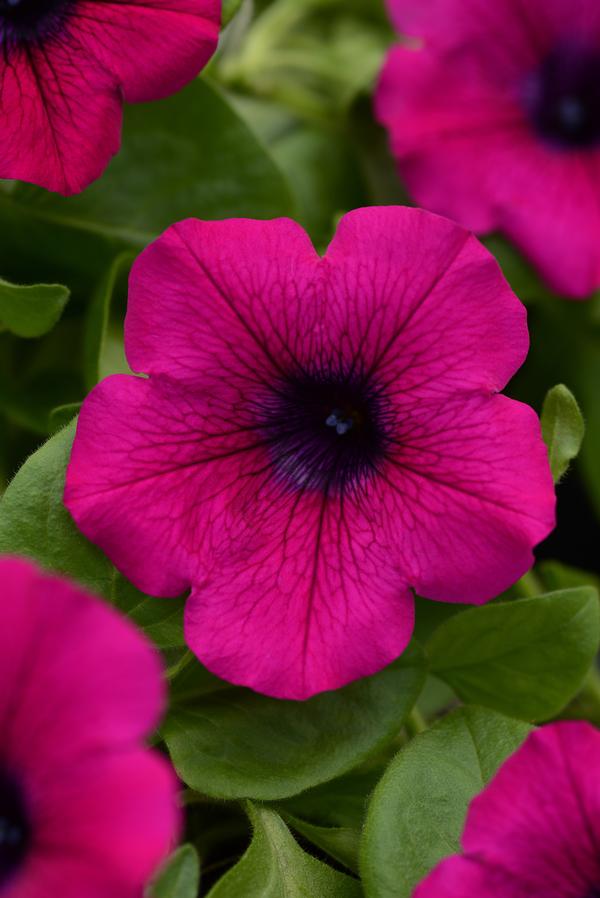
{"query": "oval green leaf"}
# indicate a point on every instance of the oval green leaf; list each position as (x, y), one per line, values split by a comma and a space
(417, 811)
(526, 658)
(180, 877)
(230, 742)
(563, 429)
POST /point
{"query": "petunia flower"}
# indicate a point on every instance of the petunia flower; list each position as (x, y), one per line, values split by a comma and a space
(85, 810)
(534, 832)
(495, 122)
(316, 437)
(67, 66)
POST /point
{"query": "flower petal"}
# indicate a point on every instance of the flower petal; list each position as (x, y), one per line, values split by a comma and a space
(521, 26)
(214, 297)
(309, 600)
(76, 676)
(60, 117)
(115, 815)
(539, 819)
(166, 43)
(150, 460)
(401, 286)
(460, 877)
(470, 494)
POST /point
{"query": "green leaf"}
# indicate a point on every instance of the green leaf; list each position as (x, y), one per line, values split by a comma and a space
(526, 658)
(31, 311)
(275, 866)
(331, 815)
(188, 155)
(563, 429)
(35, 523)
(339, 842)
(180, 877)
(230, 742)
(418, 810)
(63, 415)
(230, 8)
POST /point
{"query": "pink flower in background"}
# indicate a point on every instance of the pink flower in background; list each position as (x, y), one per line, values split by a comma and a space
(69, 64)
(316, 437)
(85, 810)
(495, 122)
(534, 832)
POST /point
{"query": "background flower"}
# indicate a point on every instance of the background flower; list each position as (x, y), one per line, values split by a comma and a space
(317, 436)
(535, 830)
(84, 808)
(496, 123)
(69, 64)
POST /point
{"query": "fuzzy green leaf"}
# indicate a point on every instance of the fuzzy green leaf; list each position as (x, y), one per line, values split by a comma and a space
(180, 876)
(563, 429)
(417, 811)
(526, 658)
(230, 742)
(275, 866)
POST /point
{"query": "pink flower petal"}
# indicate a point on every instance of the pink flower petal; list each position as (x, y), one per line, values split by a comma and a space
(470, 493)
(60, 117)
(115, 813)
(460, 877)
(81, 689)
(152, 48)
(311, 600)
(539, 819)
(411, 278)
(214, 297)
(77, 677)
(524, 26)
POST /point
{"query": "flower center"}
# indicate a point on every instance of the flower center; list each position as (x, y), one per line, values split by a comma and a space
(15, 832)
(27, 21)
(563, 98)
(325, 432)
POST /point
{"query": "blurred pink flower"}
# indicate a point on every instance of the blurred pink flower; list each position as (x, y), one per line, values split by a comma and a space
(85, 809)
(496, 123)
(69, 64)
(534, 832)
(317, 436)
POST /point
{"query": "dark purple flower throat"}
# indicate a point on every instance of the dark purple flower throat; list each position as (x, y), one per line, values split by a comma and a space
(15, 831)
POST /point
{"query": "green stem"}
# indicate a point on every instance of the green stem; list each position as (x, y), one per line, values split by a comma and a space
(415, 723)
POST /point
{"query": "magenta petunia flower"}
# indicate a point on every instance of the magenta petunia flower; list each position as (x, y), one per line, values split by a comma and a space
(534, 832)
(496, 123)
(69, 64)
(85, 810)
(317, 435)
